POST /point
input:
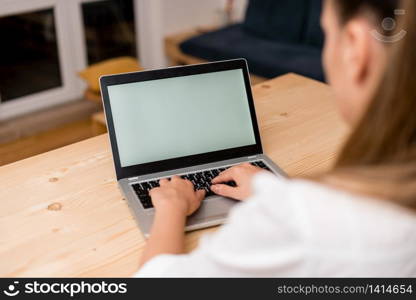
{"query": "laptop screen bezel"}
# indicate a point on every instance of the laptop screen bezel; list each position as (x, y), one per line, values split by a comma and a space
(187, 161)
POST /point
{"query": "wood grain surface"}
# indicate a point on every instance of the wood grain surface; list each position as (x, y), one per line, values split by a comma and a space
(62, 214)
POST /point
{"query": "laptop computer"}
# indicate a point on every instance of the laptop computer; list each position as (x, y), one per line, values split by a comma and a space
(193, 121)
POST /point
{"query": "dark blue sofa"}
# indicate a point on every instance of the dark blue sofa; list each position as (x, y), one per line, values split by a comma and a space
(277, 37)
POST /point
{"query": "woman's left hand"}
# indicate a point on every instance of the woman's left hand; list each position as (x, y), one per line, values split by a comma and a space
(174, 200)
(177, 195)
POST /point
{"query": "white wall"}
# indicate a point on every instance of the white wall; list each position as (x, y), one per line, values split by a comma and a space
(180, 15)
(163, 17)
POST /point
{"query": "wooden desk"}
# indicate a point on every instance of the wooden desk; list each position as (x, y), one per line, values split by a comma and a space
(61, 213)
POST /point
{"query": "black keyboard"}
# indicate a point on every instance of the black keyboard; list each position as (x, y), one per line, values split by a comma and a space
(200, 180)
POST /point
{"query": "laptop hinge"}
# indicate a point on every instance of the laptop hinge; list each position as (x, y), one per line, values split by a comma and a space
(133, 178)
(251, 157)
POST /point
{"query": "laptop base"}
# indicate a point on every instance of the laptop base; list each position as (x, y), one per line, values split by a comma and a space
(213, 211)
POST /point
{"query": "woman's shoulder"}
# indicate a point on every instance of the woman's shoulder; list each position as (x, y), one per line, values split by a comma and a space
(328, 216)
(318, 197)
(270, 188)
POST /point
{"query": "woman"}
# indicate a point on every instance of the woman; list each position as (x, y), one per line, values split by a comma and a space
(357, 220)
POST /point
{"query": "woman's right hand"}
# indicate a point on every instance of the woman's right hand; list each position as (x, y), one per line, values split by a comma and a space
(242, 175)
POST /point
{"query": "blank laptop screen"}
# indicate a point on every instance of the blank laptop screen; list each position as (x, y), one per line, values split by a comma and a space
(170, 118)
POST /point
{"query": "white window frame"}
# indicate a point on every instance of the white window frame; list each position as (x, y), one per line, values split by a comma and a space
(71, 48)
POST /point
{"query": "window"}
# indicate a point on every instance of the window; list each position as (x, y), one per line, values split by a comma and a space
(109, 29)
(29, 54)
(45, 43)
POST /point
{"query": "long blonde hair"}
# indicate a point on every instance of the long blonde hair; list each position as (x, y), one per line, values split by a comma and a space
(379, 158)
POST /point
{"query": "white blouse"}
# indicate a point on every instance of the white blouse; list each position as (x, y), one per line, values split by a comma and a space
(295, 228)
